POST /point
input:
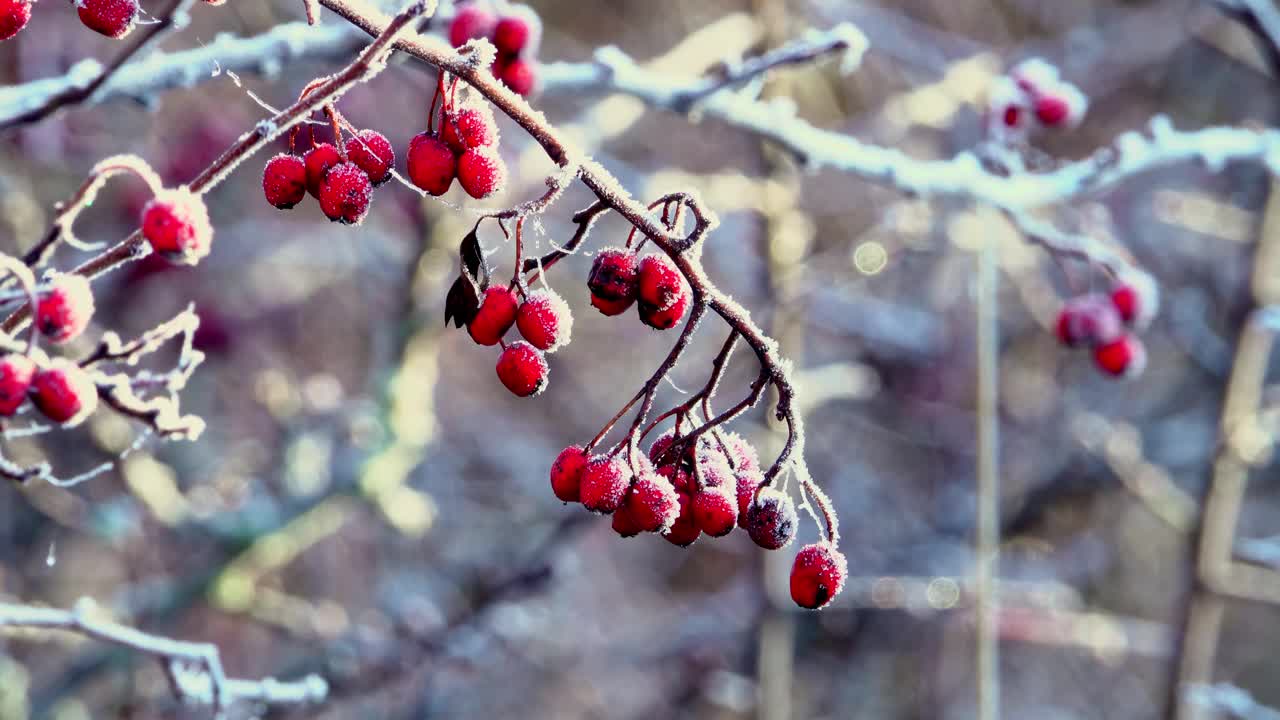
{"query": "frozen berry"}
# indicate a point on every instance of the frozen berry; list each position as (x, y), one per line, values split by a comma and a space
(1124, 357)
(741, 453)
(318, 161)
(113, 18)
(64, 392)
(678, 477)
(817, 575)
(1012, 116)
(471, 22)
(660, 283)
(284, 181)
(345, 194)
(481, 172)
(625, 523)
(545, 321)
(495, 317)
(519, 74)
(1063, 105)
(712, 467)
(771, 520)
(604, 483)
(1136, 298)
(610, 307)
(716, 511)
(517, 30)
(176, 224)
(523, 369)
(16, 372)
(371, 151)
(14, 15)
(660, 446)
(472, 126)
(613, 279)
(652, 502)
(65, 308)
(684, 531)
(432, 166)
(1088, 320)
(746, 481)
(664, 319)
(566, 473)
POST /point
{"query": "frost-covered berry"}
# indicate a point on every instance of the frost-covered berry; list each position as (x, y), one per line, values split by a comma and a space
(605, 481)
(176, 224)
(495, 317)
(771, 520)
(716, 510)
(679, 477)
(113, 18)
(519, 74)
(522, 369)
(817, 575)
(65, 308)
(471, 22)
(566, 473)
(1124, 357)
(746, 480)
(684, 531)
(371, 151)
(741, 453)
(1088, 320)
(664, 319)
(613, 280)
(14, 15)
(345, 194)
(284, 181)
(659, 282)
(1061, 106)
(431, 164)
(1136, 298)
(660, 446)
(472, 126)
(16, 372)
(545, 321)
(481, 172)
(652, 502)
(318, 161)
(64, 392)
(517, 30)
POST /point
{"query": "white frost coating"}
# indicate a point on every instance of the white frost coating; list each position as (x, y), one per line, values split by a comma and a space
(84, 72)
(857, 46)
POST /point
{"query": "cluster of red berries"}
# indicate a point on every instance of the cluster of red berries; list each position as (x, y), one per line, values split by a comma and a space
(1104, 324)
(1032, 96)
(341, 176)
(544, 321)
(515, 32)
(685, 488)
(464, 146)
(620, 278)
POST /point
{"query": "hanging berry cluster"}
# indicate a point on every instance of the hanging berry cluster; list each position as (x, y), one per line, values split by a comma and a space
(1105, 323)
(461, 141)
(1033, 96)
(515, 30)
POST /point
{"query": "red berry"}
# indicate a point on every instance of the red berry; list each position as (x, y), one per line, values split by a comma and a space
(16, 372)
(684, 531)
(1088, 320)
(660, 446)
(64, 392)
(65, 308)
(610, 308)
(566, 473)
(1136, 298)
(14, 15)
(1051, 110)
(516, 31)
(744, 456)
(1062, 105)
(665, 319)
(284, 181)
(481, 172)
(678, 477)
(660, 283)
(523, 369)
(715, 510)
(817, 575)
(113, 18)
(1124, 357)
(613, 279)
(712, 469)
(625, 523)
(345, 194)
(1012, 116)
(471, 22)
(495, 317)
(371, 151)
(652, 502)
(176, 223)
(432, 166)
(771, 520)
(519, 74)
(319, 160)
(545, 321)
(746, 481)
(472, 126)
(605, 481)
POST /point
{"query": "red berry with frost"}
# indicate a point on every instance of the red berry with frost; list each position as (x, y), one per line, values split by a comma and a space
(517, 30)
(1061, 106)
(345, 194)
(652, 502)
(746, 482)
(771, 520)
(1051, 110)
(665, 319)
(679, 478)
(522, 369)
(471, 22)
(16, 372)
(684, 531)
(545, 321)
(712, 467)
(64, 392)
(610, 308)
(431, 164)
(481, 172)
(613, 279)
(519, 74)
(371, 151)
(14, 15)
(741, 453)
(605, 481)
(318, 161)
(1136, 298)
(716, 511)
(284, 181)
(625, 523)
(113, 18)
(1088, 320)
(1124, 357)
(566, 473)
(472, 126)
(817, 575)
(660, 284)
(495, 317)
(65, 308)
(176, 224)
(660, 446)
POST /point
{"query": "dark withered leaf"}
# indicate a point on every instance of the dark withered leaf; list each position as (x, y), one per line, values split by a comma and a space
(463, 300)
